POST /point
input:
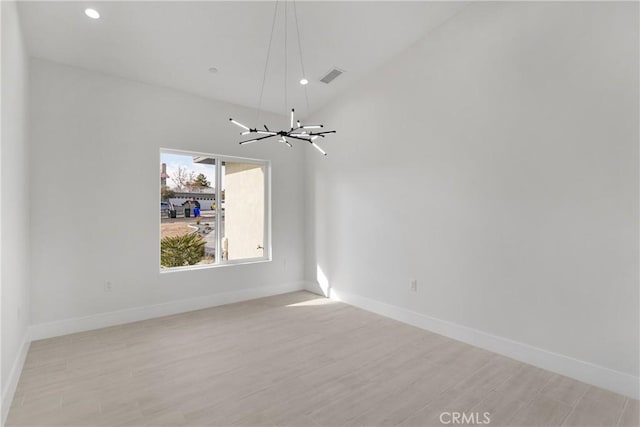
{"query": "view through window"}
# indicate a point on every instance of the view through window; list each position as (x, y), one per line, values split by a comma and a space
(196, 229)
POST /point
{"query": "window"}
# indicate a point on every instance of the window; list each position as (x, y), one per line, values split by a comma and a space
(196, 230)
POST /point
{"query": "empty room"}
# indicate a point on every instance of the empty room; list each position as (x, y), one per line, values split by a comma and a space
(320, 213)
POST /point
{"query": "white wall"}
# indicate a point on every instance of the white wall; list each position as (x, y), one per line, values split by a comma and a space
(99, 137)
(14, 202)
(495, 161)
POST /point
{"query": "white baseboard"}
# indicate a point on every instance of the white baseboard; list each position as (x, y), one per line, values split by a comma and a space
(10, 388)
(113, 318)
(600, 376)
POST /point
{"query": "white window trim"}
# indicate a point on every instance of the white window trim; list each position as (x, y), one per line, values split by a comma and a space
(267, 257)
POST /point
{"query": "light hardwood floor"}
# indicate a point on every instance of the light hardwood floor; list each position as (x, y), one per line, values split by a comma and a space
(292, 360)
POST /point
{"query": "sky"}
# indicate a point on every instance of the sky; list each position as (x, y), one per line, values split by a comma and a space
(174, 161)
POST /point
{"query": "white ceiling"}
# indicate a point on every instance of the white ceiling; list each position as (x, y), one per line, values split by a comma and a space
(174, 44)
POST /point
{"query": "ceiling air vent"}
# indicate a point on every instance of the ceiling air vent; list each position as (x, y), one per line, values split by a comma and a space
(331, 75)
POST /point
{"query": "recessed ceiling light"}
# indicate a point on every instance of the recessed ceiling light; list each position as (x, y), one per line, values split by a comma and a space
(92, 13)
(304, 81)
(213, 70)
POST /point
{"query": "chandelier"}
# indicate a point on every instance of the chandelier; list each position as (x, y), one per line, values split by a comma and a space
(297, 131)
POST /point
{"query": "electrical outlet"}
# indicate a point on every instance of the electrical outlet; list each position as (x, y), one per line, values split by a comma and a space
(414, 285)
(108, 286)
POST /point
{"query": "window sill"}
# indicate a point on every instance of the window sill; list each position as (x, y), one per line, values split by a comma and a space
(208, 266)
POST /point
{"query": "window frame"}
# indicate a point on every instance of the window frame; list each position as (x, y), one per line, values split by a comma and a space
(219, 159)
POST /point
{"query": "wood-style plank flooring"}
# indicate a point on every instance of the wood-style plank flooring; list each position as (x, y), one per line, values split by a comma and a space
(291, 360)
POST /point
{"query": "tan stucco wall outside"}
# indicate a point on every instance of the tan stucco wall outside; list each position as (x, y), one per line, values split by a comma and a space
(244, 210)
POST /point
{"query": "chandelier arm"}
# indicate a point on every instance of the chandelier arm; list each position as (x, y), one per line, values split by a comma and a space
(322, 133)
(266, 64)
(257, 139)
(296, 137)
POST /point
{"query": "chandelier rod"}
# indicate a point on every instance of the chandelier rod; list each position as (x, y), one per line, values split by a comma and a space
(285, 57)
(304, 75)
(266, 64)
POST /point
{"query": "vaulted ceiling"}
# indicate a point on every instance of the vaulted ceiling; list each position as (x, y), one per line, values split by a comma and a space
(174, 44)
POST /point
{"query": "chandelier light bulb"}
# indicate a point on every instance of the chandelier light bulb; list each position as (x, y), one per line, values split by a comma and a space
(304, 81)
(239, 124)
(317, 147)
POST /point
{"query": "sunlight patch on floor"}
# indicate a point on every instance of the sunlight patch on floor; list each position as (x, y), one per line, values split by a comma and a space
(311, 302)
